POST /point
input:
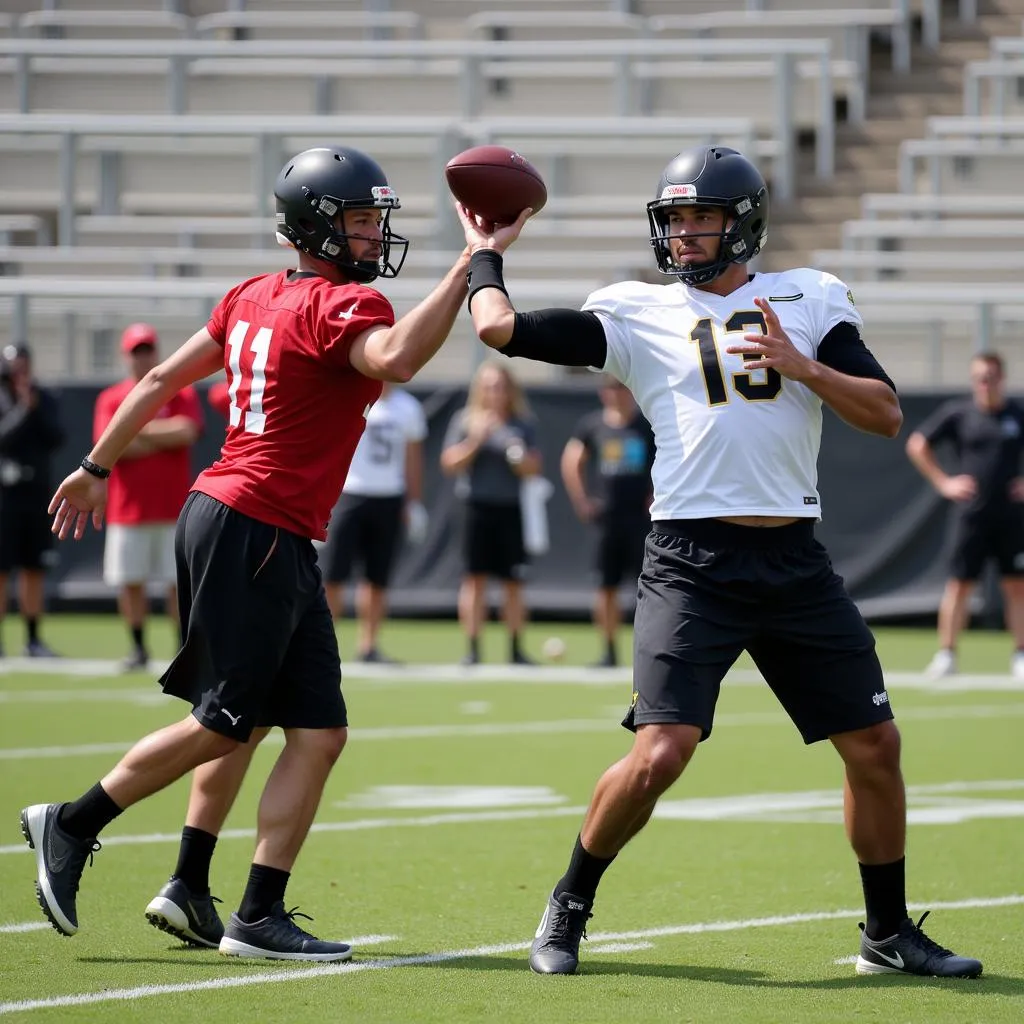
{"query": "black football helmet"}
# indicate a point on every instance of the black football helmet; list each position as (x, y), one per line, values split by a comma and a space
(314, 187)
(711, 176)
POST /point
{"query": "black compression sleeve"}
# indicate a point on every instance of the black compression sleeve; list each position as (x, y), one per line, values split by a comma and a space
(565, 337)
(844, 350)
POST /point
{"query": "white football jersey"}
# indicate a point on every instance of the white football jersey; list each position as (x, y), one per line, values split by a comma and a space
(378, 465)
(729, 441)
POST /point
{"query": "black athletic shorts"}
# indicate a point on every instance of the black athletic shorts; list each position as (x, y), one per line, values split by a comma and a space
(364, 530)
(25, 538)
(980, 538)
(620, 549)
(710, 590)
(493, 541)
(260, 647)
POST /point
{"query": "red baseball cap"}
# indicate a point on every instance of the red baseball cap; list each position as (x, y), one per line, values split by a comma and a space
(136, 335)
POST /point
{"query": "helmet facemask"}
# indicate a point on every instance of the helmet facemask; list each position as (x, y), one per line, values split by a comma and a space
(318, 235)
(740, 239)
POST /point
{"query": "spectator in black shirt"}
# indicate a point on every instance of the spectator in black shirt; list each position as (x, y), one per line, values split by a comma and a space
(986, 433)
(616, 444)
(30, 432)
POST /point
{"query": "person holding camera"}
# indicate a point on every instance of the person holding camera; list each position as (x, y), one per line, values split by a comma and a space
(490, 445)
(30, 432)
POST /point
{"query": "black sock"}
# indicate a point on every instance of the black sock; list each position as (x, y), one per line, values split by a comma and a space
(609, 652)
(32, 627)
(584, 873)
(474, 646)
(138, 638)
(885, 898)
(514, 650)
(87, 816)
(194, 856)
(265, 888)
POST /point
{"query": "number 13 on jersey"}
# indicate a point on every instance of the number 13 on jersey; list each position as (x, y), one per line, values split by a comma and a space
(703, 335)
(254, 374)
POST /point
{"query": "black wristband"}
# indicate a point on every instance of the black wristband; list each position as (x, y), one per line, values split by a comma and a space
(90, 467)
(484, 272)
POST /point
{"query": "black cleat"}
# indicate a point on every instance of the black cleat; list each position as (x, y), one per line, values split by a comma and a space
(910, 951)
(189, 916)
(60, 861)
(518, 658)
(469, 658)
(278, 937)
(37, 649)
(136, 661)
(374, 657)
(556, 945)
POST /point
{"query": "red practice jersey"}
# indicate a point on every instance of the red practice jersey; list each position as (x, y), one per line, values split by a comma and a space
(297, 406)
(151, 488)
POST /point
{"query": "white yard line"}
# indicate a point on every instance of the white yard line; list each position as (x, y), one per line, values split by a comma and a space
(757, 800)
(356, 825)
(328, 970)
(474, 730)
(25, 926)
(578, 675)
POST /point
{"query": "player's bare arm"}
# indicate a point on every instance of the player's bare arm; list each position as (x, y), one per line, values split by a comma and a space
(574, 461)
(962, 487)
(867, 404)
(170, 432)
(82, 495)
(398, 353)
(492, 310)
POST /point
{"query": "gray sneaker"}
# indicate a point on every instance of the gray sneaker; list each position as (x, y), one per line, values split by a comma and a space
(278, 937)
(910, 951)
(189, 916)
(556, 945)
(60, 861)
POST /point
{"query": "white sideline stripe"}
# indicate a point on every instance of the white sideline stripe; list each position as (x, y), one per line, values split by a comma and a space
(328, 970)
(26, 926)
(523, 814)
(357, 825)
(843, 960)
(579, 675)
(620, 947)
(462, 730)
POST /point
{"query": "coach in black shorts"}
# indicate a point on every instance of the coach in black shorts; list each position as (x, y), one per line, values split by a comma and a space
(614, 446)
(731, 369)
(986, 434)
(30, 432)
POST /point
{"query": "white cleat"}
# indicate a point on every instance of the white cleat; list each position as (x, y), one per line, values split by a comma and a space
(942, 664)
(1017, 665)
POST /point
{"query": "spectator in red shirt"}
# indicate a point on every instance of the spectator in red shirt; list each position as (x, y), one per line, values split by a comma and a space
(148, 486)
(218, 397)
(306, 351)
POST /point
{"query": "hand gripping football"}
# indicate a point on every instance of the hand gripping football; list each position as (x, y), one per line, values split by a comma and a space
(496, 183)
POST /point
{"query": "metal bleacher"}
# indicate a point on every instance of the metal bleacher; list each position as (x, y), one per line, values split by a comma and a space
(138, 149)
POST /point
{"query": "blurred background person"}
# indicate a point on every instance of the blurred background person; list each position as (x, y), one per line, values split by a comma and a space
(490, 446)
(986, 433)
(30, 432)
(148, 487)
(606, 469)
(382, 498)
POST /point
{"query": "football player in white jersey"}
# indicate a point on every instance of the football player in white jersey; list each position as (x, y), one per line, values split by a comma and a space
(731, 370)
(383, 491)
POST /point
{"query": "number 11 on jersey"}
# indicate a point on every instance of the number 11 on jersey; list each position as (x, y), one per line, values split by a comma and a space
(255, 418)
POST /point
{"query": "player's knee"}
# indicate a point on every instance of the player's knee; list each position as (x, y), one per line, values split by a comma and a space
(876, 749)
(326, 744)
(663, 758)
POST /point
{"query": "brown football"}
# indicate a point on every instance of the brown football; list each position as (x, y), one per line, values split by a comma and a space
(495, 182)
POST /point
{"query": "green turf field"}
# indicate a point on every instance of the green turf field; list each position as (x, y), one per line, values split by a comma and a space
(454, 810)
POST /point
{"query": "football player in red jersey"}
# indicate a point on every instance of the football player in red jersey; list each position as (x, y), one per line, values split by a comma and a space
(306, 352)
